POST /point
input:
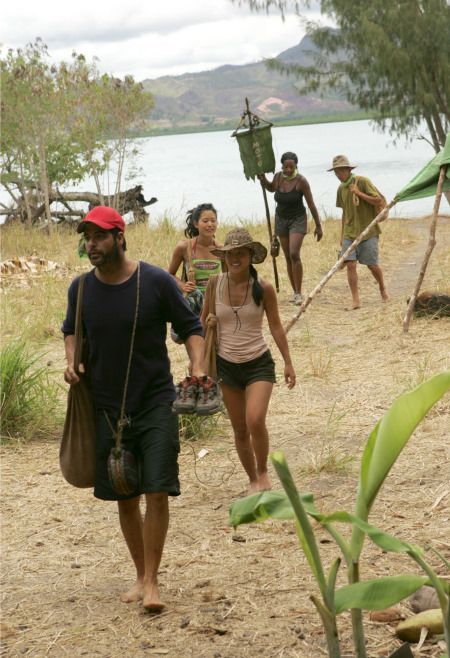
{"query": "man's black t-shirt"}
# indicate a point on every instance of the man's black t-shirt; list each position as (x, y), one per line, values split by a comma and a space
(108, 315)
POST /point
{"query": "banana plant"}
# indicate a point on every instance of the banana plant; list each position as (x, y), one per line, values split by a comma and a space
(384, 445)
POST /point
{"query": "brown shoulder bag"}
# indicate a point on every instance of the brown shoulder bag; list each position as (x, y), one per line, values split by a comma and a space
(211, 330)
(77, 450)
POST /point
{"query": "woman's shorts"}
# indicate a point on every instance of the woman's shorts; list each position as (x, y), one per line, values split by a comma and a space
(241, 375)
(365, 253)
(152, 437)
(284, 227)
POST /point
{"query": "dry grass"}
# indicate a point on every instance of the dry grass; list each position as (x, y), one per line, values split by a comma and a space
(65, 562)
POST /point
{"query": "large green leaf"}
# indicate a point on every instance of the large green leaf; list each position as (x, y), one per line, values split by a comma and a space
(387, 441)
(377, 594)
(304, 528)
(261, 506)
(382, 539)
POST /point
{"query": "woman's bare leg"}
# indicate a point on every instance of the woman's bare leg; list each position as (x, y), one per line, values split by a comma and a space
(295, 244)
(235, 401)
(258, 397)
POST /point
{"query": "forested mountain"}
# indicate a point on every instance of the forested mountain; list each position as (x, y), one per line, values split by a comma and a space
(214, 100)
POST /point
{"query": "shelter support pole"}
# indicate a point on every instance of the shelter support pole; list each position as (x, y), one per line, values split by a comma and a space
(379, 218)
(431, 245)
(274, 260)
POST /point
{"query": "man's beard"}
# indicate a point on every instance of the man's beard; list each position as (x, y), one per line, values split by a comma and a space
(107, 259)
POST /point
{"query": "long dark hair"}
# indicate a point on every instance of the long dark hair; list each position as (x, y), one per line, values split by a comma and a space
(191, 231)
(257, 289)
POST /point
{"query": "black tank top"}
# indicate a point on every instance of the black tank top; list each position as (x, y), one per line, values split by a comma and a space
(289, 204)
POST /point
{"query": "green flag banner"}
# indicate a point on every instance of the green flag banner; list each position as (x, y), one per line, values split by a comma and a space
(425, 182)
(255, 147)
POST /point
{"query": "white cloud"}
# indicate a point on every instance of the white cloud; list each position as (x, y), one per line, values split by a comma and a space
(150, 39)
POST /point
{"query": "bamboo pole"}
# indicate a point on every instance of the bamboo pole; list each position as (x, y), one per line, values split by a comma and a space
(379, 218)
(253, 120)
(431, 245)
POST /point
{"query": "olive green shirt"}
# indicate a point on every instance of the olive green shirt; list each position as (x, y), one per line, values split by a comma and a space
(357, 218)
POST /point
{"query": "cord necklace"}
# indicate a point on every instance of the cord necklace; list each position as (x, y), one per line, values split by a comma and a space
(236, 310)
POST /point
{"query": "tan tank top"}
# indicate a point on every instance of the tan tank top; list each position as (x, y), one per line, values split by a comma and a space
(242, 340)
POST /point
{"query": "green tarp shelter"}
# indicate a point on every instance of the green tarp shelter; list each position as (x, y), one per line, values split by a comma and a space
(425, 182)
(255, 147)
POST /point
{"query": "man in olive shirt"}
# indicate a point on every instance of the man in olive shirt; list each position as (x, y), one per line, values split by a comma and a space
(355, 218)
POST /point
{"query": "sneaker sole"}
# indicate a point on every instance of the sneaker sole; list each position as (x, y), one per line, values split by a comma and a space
(208, 411)
(181, 410)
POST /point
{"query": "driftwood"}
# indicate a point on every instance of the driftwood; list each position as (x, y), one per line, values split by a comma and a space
(379, 218)
(131, 200)
(431, 244)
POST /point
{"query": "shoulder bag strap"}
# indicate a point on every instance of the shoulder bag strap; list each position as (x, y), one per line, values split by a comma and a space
(122, 422)
(190, 274)
(211, 329)
(213, 281)
(79, 324)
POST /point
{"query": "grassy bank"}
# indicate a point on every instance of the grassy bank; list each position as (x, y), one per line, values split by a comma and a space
(34, 303)
(279, 122)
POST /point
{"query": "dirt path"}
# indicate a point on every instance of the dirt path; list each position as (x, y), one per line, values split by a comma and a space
(245, 593)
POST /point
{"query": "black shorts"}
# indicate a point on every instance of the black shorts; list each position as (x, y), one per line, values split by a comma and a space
(152, 437)
(241, 375)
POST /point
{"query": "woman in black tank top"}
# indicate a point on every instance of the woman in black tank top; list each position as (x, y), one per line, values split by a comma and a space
(290, 188)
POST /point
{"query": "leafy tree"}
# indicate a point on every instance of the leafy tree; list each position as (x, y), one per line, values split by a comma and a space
(389, 57)
(63, 123)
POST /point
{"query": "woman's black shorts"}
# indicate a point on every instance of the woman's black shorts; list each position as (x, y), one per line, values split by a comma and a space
(241, 375)
(152, 437)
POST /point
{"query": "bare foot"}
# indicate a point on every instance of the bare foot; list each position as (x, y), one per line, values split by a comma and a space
(134, 593)
(264, 483)
(353, 306)
(385, 297)
(151, 600)
(253, 488)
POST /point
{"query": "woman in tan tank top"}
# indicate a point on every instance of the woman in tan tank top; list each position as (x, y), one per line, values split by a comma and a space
(245, 367)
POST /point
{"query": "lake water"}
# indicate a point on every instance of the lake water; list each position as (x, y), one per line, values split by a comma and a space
(185, 170)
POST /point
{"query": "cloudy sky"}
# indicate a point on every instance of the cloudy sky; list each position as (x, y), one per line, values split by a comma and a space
(150, 38)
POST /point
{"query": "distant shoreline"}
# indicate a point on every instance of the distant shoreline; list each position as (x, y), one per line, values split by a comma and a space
(278, 122)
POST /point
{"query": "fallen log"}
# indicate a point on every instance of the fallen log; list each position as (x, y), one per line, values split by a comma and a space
(131, 200)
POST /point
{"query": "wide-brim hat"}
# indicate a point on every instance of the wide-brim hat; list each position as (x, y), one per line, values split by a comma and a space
(341, 161)
(240, 237)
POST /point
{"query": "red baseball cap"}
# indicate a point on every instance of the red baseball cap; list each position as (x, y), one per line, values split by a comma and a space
(105, 217)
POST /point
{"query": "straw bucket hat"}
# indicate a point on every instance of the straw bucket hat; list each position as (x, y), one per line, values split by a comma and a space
(341, 161)
(240, 237)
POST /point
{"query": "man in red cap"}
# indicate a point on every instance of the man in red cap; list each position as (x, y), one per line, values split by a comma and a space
(109, 303)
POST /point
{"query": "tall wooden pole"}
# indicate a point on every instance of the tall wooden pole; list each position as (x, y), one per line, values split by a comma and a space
(251, 124)
(274, 260)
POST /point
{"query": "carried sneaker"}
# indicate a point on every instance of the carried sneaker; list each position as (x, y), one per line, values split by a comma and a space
(186, 400)
(209, 400)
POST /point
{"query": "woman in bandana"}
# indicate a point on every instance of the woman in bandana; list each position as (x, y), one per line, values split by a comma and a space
(290, 189)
